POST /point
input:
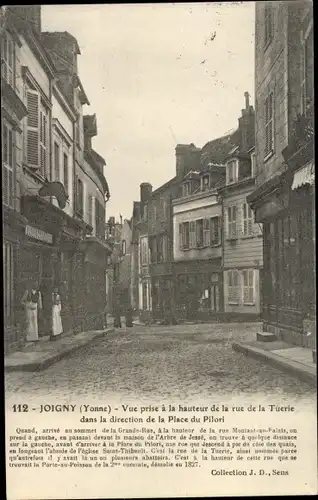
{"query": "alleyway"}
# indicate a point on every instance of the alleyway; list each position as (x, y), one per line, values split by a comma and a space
(185, 363)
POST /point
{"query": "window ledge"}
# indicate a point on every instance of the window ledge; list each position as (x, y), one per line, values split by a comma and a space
(233, 303)
(232, 238)
(248, 303)
(248, 236)
(215, 245)
(268, 156)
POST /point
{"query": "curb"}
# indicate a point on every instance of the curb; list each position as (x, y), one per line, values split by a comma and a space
(288, 366)
(36, 366)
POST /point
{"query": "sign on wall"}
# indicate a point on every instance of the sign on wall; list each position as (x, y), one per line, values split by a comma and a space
(38, 234)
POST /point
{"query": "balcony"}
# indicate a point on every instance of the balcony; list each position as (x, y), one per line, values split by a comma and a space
(300, 149)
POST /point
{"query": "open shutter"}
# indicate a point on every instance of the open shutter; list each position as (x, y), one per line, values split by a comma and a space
(245, 287)
(90, 209)
(251, 286)
(180, 237)
(33, 129)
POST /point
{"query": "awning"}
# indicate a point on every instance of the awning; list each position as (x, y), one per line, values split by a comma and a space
(303, 176)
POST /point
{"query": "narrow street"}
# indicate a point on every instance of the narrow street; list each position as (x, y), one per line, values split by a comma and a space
(185, 363)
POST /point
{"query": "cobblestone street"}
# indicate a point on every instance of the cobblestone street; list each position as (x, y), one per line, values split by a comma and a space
(176, 363)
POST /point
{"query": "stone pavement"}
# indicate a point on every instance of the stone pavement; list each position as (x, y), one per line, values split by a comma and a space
(39, 355)
(294, 360)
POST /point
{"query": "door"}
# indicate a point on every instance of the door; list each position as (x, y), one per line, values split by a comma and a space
(215, 297)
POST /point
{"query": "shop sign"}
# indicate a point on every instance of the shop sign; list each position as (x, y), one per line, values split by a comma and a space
(38, 234)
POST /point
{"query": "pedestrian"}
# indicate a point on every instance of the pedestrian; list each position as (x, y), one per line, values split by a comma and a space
(129, 317)
(57, 328)
(32, 302)
(117, 311)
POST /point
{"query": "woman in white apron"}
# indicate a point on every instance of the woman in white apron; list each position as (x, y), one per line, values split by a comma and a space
(57, 327)
(32, 301)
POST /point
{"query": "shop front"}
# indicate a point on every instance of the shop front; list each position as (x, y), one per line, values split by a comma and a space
(199, 289)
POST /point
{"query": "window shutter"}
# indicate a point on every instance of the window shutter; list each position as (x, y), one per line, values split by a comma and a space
(33, 129)
(251, 286)
(245, 221)
(192, 235)
(90, 209)
(246, 286)
(180, 237)
(7, 171)
(65, 171)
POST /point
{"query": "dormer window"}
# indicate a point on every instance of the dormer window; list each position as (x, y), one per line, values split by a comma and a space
(232, 171)
(187, 188)
(205, 182)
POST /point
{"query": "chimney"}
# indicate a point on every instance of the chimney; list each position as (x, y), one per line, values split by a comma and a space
(30, 14)
(187, 158)
(145, 192)
(247, 100)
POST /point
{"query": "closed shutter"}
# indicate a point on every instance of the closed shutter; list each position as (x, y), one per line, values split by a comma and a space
(248, 286)
(245, 287)
(65, 171)
(192, 235)
(32, 131)
(56, 162)
(206, 232)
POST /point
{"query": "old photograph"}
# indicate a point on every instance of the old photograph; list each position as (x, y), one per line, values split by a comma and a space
(158, 201)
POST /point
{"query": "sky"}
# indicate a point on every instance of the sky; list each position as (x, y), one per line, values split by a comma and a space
(157, 75)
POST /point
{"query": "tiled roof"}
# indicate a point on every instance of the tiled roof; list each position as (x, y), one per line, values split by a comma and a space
(216, 151)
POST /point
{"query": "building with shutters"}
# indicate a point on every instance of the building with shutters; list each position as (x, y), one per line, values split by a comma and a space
(283, 197)
(45, 239)
(242, 236)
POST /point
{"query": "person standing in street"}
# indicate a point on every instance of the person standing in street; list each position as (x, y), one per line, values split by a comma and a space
(32, 302)
(57, 328)
(117, 313)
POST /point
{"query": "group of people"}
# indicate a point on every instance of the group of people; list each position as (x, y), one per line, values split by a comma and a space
(34, 302)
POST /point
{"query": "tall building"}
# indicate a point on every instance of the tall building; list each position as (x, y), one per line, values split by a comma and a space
(49, 237)
(283, 198)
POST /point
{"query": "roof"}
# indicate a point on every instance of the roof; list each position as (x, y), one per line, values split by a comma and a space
(216, 151)
(165, 185)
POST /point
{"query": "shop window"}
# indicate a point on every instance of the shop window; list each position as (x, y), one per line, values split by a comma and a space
(233, 287)
(248, 287)
(7, 165)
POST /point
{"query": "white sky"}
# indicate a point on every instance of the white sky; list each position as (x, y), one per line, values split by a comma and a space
(143, 72)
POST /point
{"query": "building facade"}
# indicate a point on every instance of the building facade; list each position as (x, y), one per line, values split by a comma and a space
(283, 199)
(42, 233)
(243, 238)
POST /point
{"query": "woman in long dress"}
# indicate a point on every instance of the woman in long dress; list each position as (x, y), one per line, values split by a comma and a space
(57, 327)
(32, 301)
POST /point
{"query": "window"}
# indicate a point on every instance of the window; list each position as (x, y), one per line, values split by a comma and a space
(123, 247)
(307, 67)
(144, 251)
(248, 287)
(185, 235)
(181, 236)
(7, 66)
(199, 231)
(214, 231)
(145, 212)
(65, 171)
(8, 283)
(79, 197)
(253, 165)
(206, 232)
(56, 161)
(233, 282)
(269, 124)
(7, 165)
(186, 188)
(90, 210)
(100, 219)
(248, 220)
(205, 183)
(232, 172)
(268, 23)
(231, 216)
(144, 295)
(165, 209)
(192, 235)
(160, 248)
(154, 210)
